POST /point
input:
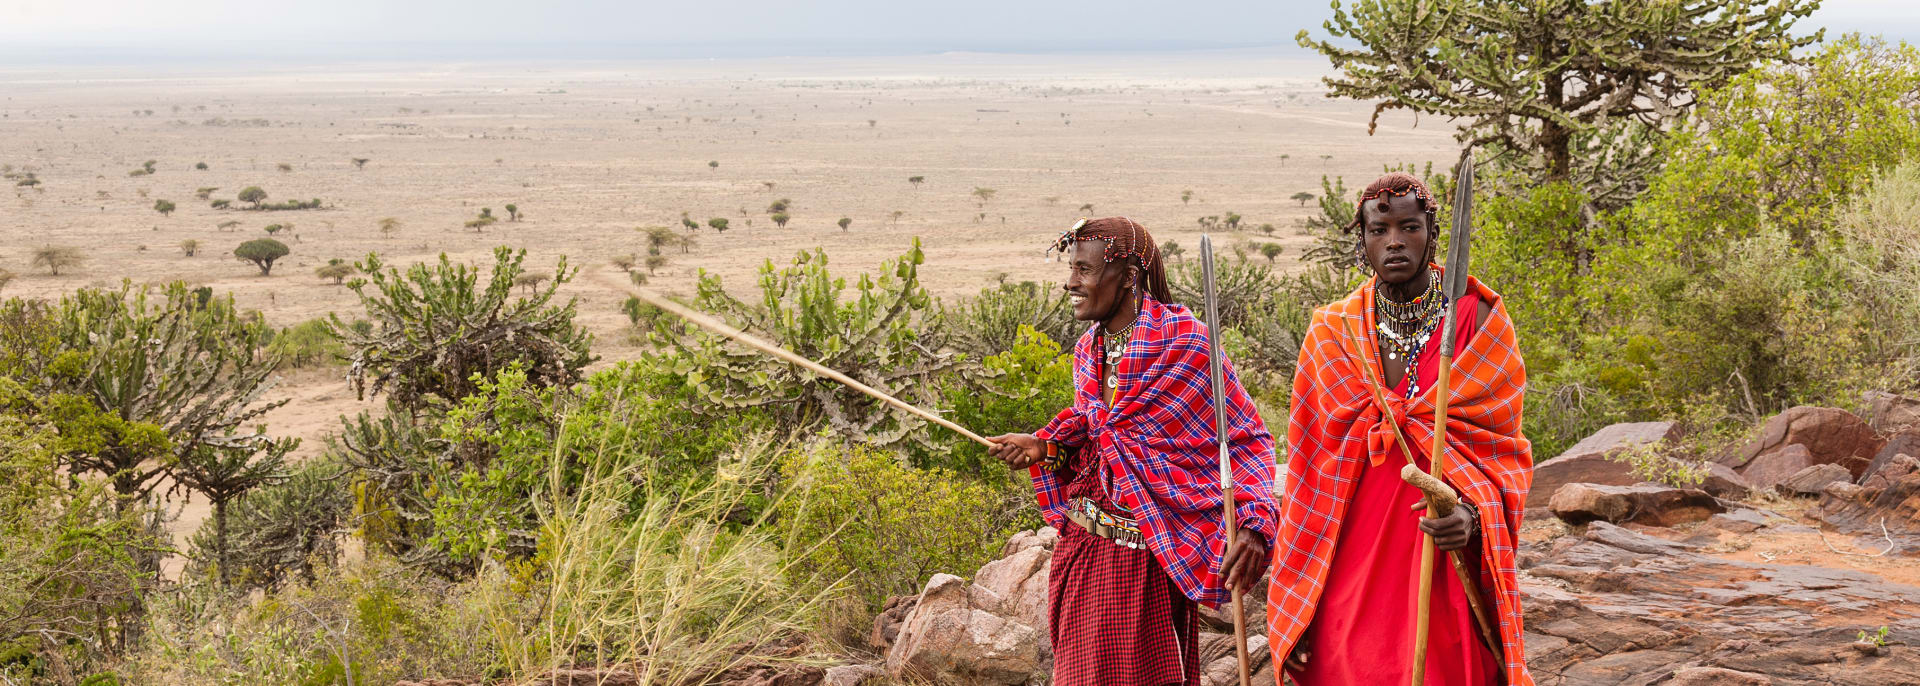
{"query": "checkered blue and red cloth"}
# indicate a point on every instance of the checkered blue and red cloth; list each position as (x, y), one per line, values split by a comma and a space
(1336, 425)
(1158, 441)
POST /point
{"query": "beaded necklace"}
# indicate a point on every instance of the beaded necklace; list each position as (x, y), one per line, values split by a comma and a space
(1115, 346)
(1412, 325)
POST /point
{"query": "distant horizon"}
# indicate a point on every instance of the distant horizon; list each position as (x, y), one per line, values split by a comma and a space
(42, 33)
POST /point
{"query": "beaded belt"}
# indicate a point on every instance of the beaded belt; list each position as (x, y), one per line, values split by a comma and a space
(1123, 531)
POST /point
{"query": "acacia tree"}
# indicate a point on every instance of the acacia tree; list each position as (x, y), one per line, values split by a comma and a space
(845, 222)
(252, 194)
(262, 252)
(513, 212)
(56, 258)
(916, 180)
(780, 219)
(1576, 87)
(1303, 197)
(164, 207)
(336, 269)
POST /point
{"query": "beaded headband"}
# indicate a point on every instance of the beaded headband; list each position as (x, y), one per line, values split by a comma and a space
(1137, 247)
(1413, 186)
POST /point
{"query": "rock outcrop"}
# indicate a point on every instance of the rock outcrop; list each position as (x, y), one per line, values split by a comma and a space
(1616, 606)
(1591, 460)
(1802, 437)
(1648, 504)
(991, 631)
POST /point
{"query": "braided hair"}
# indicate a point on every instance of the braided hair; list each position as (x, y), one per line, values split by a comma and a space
(1392, 185)
(1127, 241)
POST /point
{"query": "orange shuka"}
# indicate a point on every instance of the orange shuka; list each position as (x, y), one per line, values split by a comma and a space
(1335, 425)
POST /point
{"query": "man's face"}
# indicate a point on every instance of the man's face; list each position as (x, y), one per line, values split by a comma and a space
(1093, 284)
(1397, 238)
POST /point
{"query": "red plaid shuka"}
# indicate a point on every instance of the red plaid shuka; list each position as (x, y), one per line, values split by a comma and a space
(1335, 425)
(1159, 446)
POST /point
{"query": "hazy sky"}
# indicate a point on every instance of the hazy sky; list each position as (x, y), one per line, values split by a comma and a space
(701, 28)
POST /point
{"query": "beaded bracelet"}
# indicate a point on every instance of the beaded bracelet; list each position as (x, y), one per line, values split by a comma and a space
(1052, 461)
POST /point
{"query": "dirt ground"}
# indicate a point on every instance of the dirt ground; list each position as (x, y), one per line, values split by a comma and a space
(590, 152)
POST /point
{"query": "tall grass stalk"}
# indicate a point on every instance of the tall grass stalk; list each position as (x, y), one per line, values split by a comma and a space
(661, 582)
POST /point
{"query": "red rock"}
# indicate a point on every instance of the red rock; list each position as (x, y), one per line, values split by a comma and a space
(1854, 508)
(1723, 482)
(1893, 470)
(886, 627)
(1641, 504)
(1888, 413)
(1716, 676)
(1813, 479)
(1905, 443)
(1589, 460)
(1829, 435)
(1773, 467)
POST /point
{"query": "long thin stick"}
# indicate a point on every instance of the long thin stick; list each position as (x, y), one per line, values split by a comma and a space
(749, 340)
(1215, 370)
(1482, 615)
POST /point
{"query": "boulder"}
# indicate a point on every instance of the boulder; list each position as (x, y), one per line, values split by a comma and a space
(1020, 582)
(1723, 482)
(952, 637)
(1589, 461)
(1640, 504)
(886, 627)
(1855, 508)
(1225, 669)
(1896, 467)
(1904, 443)
(851, 675)
(1813, 480)
(1888, 413)
(1221, 618)
(1769, 469)
(1829, 436)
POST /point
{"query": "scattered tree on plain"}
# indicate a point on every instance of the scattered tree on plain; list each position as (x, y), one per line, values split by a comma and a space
(204, 191)
(164, 207)
(1172, 249)
(360, 162)
(513, 212)
(200, 166)
(530, 280)
(1303, 197)
(780, 219)
(713, 164)
(284, 167)
(718, 224)
(56, 258)
(983, 194)
(251, 194)
(388, 225)
(1185, 196)
(189, 246)
(336, 269)
(262, 252)
(916, 180)
(227, 225)
(845, 222)
(1270, 251)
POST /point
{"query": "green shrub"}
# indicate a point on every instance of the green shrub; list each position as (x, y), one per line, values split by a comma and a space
(308, 344)
(884, 527)
(282, 532)
(70, 590)
(991, 322)
(1026, 386)
(888, 336)
(676, 588)
(372, 623)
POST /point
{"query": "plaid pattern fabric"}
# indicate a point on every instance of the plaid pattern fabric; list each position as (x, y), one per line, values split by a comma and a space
(1115, 619)
(1335, 425)
(1158, 443)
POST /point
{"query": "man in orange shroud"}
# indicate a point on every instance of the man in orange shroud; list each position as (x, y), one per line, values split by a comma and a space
(1341, 605)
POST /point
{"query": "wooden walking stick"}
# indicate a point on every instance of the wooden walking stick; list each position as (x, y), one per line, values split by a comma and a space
(719, 327)
(1453, 285)
(1215, 371)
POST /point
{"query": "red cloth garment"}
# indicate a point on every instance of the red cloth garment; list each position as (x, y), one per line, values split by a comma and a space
(1364, 627)
(1158, 444)
(1113, 616)
(1335, 431)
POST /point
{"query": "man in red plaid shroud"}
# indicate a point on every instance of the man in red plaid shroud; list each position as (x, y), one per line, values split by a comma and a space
(1342, 605)
(1130, 475)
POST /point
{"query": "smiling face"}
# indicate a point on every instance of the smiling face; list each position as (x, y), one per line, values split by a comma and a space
(1094, 286)
(1398, 239)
